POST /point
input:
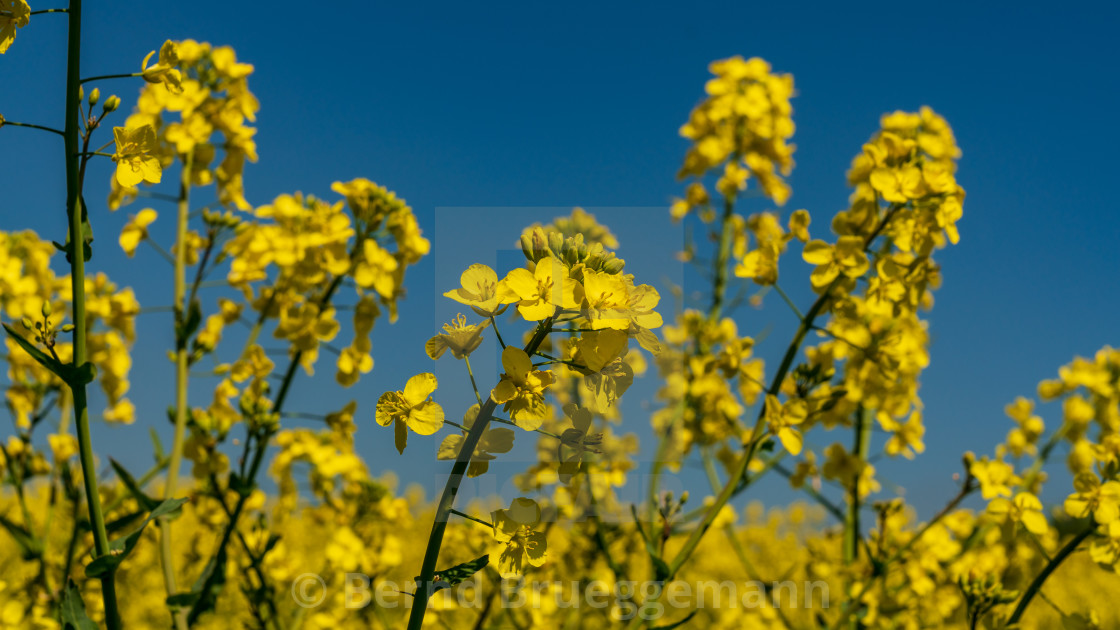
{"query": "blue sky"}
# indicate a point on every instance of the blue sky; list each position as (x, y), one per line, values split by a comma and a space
(488, 118)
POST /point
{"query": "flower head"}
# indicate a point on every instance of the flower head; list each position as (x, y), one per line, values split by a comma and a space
(522, 389)
(499, 440)
(482, 292)
(13, 14)
(459, 337)
(136, 230)
(1102, 499)
(514, 527)
(412, 408)
(1025, 509)
(165, 70)
(542, 290)
(134, 157)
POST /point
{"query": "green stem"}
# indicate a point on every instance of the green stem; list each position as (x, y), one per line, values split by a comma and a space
(474, 386)
(1036, 584)
(31, 126)
(182, 379)
(471, 518)
(862, 437)
(112, 76)
(424, 585)
(78, 299)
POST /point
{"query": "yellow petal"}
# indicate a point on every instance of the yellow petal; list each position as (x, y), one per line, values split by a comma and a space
(419, 387)
(426, 418)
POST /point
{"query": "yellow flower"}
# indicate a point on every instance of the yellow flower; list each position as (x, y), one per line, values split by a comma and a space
(493, 440)
(63, 446)
(543, 290)
(784, 418)
(461, 338)
(522, 389)
(164, 71)
(995, 477)
(514, 527)
(482, 292)
(846, 257)
(799, 225)
(1025, 509)
(135, 162)
(136, 230)
(907, 436)
(411, 408)
(1103, 500)
(13, 14)
(579, 439)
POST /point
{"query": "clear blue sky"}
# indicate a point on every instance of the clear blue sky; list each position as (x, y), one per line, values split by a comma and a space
(541, 108)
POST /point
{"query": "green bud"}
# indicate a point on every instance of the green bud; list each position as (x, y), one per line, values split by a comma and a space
(111, 103)
(47, 309)
(68, 328)
(614, 265)
(26, 321)
(81, 93)
(94, 97)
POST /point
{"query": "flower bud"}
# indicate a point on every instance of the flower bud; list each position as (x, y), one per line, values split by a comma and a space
(614, 265)
(47, 310)
(68, 328)
(26, 321)
(81, 93)
(94, 97)
(111, 104)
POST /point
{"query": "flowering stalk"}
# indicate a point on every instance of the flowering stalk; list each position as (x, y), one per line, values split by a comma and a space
(425, 585)
(78, 299)
(1036, 584)
(861, 442)
(182, 378)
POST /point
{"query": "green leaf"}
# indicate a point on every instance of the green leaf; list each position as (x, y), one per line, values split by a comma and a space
(74, 376)
(145, 501)
(157, 445)
(677, 624)
(43, 358)
(121, 547)
(72, 610)
(456, 574)
(204, 594)
(186, 328)
(30, 545)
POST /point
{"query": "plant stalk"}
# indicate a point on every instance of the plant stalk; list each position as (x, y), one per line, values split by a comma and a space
(78, 299)
(424, 586)
(182, 379)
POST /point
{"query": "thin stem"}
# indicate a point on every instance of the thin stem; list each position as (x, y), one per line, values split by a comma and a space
(160, 250)
(182, 379)
(78, 300)
(31, 126)
(1036, 583)
(471, 518)
(862, 438)
(494, 325)
(112, 76)
(424, 585)
(788, 301)
(41, 11)
(474, 385)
